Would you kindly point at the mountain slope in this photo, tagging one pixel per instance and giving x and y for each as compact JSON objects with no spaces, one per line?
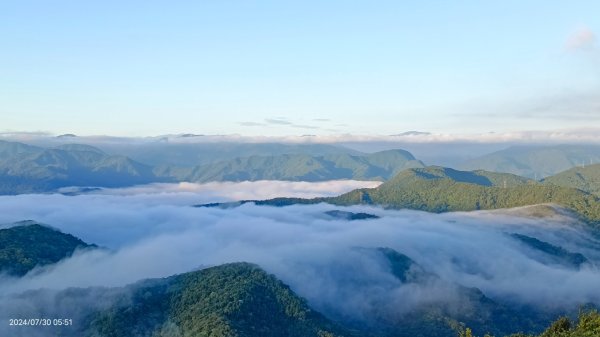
{"x":380,"y":166}
{"x":30,"y":169}
{"x":437,"y":189}
{"x":584,"y":178}
{"x":189,"y":155}
{"x":418,"y":189}
{"x":27,"y":245}
{"x":535,"y":162}
{"x":42,"y":170}
{"x":237,"y":299}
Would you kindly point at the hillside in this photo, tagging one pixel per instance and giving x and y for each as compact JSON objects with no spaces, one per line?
{"x":586,"y":325}
{"x":237,"y":299}
{"x":31,"y":169}
{"x":26,"y":169}
{"x":535,"y":161}
{"x":423,"y":189}
{"x":27,"y":245}
{"x":177,"y":153}
{"x":441,"y":318}
{"x":584,"y":178}
{"x":437,"y":189}
{"x":379,"y":166}
{"x":240,"y":299}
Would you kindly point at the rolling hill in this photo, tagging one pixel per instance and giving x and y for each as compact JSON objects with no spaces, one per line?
{"x":427,"y":190}
{"x":29,"y":244}
{"x":535,"y":161}
{"x":438,"y":189}
{"x":178,"y":153}
{"x":26,"y":169}
{"x":376,"y":166}
{"x":31,"y":169}
{"x":584,"y":178}
{"x":237,"y":299}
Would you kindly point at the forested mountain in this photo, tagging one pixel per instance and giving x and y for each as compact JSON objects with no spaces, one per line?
{"x":30,"y":169}
{"x":237,"y":299}
{"x":193,"y":154}
{"x":437,"y":189}
{"x":29,"y":244}
{"x":27,"y":169}
{"x":535,"y":161}
{"x":378,"y":166}
{"x":584,"y":178}
{"x":586,"y":325}
{"x":425,"y":190}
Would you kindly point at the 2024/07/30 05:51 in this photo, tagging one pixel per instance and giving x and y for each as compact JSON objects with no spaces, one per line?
{"x":40,"y":321}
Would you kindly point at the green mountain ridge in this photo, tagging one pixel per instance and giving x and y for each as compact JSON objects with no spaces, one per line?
{"x":237,"y":299}
{"x":535,"y":161}
{"x":583,"y":178}
{"x":437,"y":189}
{"x":376,"y":166}
{"x":30,"y":169}
{"x":29,"y":244}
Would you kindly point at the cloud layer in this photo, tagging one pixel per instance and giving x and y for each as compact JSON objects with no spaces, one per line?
{"x":156,"y":231}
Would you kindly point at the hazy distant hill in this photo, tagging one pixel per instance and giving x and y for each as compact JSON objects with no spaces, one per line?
{"x":31,"y":169}
{"x":190,"y":155}
{"x":584,"y":178}
{"x":26,"y":169}
{"x":29,"y":244}
{"x":532,"y":162}
{"x":380,"y":166}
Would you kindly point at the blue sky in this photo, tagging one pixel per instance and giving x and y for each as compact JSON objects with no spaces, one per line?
{"x":298,"y":67}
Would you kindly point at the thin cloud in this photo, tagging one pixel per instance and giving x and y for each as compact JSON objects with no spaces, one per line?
{"x":583,"y":39}
{"x":286,"y":122}
{"x":302,"y":126}
{"x":278,"y":121}
{"x":252,"y":124}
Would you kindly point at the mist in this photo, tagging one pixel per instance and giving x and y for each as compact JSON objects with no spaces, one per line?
{"x":151,"y":231}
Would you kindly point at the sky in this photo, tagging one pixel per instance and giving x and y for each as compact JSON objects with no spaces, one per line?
{"x":275,"y":68}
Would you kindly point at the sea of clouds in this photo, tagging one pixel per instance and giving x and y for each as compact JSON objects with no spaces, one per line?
{"x":152,"y":231}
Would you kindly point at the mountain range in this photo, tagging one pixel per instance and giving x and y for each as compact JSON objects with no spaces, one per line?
{"x":34,"y":169}
{"x":535,"y":162}
{"x":439,"y":189}
{"x":31,"y":169}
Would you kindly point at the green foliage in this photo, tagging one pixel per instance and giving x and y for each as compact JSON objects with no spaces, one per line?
{"x":557,"y":254}
{"x":24,"y":247}
{"x":305,"y":167}
{"x":236,"y":299}
{"x":584,"y":178}
{"x":428,"y":190}
{"x":588,"y":325}
{"x":535,"y":161}
{"x":29,"y":169}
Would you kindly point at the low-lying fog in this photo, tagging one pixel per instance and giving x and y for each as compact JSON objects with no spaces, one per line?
{"x":151,"y":231}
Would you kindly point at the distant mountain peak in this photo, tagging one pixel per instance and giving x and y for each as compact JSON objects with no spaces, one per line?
{"x":411,"y":133}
